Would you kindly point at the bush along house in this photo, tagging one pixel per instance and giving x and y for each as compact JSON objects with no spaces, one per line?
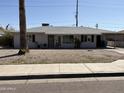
{"x":62,"y":37}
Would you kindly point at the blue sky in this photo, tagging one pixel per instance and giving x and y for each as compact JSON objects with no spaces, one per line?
{"x":109,"y":14}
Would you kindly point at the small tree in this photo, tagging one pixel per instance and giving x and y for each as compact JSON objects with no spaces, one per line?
{"x":6,"y":39}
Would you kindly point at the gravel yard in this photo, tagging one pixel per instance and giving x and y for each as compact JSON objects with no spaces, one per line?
{"x":59,"y":56}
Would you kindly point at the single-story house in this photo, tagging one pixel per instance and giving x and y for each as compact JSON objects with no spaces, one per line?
{"x":115,"y":39}
{"x":62,"y":37}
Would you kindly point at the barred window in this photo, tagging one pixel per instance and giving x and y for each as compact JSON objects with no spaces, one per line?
{"x":82,"y":38}
{"x":68,"y":39}
{"x":92,"y":38}
{"x":31,"y":38}
{"x":85,"y":38}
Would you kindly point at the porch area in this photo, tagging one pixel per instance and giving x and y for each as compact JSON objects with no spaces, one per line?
{"x":72,"y":41}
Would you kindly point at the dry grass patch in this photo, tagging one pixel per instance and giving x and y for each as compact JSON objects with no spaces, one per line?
{"x":61,"y":56}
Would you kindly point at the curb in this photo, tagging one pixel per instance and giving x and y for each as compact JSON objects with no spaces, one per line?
{"x":60,"y":76}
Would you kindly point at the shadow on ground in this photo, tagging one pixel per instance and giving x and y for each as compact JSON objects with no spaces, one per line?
{"x":9,"y":56}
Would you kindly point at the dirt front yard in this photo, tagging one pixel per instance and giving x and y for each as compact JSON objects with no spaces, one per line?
{"x":59,"y":56}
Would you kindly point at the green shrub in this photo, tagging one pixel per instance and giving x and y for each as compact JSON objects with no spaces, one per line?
{"x":6,"y":39}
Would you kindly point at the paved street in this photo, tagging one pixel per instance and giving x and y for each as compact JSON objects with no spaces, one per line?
{"x":65,"y":86}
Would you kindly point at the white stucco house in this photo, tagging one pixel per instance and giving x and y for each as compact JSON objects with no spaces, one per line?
{"x":62,"y":37}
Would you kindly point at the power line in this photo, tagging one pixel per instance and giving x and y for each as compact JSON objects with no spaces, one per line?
{"x":67,"y":5}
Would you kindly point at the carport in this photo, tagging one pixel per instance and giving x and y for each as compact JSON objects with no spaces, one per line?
{"x":114,"y":39}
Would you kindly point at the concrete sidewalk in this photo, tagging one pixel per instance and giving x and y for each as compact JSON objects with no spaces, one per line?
{"x":35,"y":71}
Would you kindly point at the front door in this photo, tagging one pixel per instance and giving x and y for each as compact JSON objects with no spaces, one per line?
{"x":51,"y":41}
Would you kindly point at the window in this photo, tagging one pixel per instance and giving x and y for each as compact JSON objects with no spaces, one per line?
{"x":85,"y":38}
{"x":68,"y":39}
{"x":82,"y":38}
{"x":29,"y":37}
{"x":89,"y":39}
{"x":92,"y":38}
{"x":33,"y":38}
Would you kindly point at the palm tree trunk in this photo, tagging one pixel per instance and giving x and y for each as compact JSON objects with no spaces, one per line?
{"x":22,"y":24}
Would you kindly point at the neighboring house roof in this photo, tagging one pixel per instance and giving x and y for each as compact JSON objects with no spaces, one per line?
{"x":121,"y":31}
{"x":67,"y":30}
{"x":116,"y":33}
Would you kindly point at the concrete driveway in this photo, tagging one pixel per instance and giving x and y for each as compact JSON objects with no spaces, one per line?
{"x":118,"y":50}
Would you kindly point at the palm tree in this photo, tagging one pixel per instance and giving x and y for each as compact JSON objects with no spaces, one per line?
{"x":22,"y":24}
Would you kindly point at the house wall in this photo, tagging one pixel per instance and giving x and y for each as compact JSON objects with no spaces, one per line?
{"x":41,"y":39}
{"x":119,"y":43}
{"x":87,"y":44}
{"x":67,"y":46}
{"x":63,"y":45}
{"x":16,"y":40}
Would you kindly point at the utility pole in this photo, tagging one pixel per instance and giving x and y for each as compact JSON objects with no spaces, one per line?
{"x":22,"y":24}
{"x":77,"y":13}
{"x":97,"y":25}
